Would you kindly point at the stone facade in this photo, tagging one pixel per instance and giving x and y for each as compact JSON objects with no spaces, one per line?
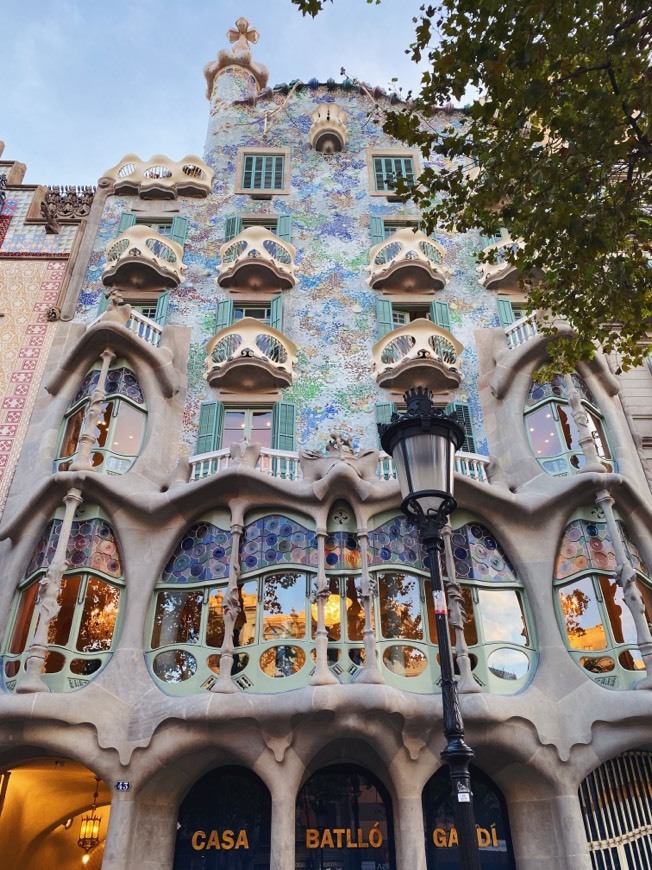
{"x":186,"y":563}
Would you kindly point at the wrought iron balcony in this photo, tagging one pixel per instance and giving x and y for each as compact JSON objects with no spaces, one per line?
{"x":161,"y":177}
{"x":328,"y":133}
{"x":419,"y":352}
{"x":257,"y":260}
{"x":142,"y":259}
{"x":250,"y":356}
{"x":500,"y":274}
{"x":407,"y":261}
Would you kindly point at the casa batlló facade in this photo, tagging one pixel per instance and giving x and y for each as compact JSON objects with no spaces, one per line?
{"x":218,"y":638}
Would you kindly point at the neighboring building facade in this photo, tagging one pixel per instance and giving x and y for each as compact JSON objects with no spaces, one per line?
{"x":210,"y":599}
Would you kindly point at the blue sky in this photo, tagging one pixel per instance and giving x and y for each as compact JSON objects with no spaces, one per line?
{"x":87,"y":81}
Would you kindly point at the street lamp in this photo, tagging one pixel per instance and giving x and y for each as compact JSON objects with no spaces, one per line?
{"x":422,"y":443}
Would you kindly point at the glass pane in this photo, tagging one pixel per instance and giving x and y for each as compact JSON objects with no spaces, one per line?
{"x":85,"y":667}
{"x":244,"y":630}
{"x":127,"y":430}
{"x":354,"y":609}
{"x":400,"y":606}
{"x":598,"y":664}
{"x":582,"y":619}
{"x":175,"y":666}
{"x":508,"y":664}
{"x":54,"y":662}
{"x":284,"y":604}
{"x":177,"y":617}
{"x":542,"y":429}
{"x":261,"y":428}
{"x":102,"y":428}
{"x":23,"y":619}
{"x":59,"y":628}
{"x":632,"y":660}
{"x":406,"y":661}
{"x":72,"y":432}
{"x":569,"y":427}
{"x":234,"y":427}
{"x":620,"y":616}
{"x":215,"y":624}
{"x":502,"y":616}
{"x":282,"y":661}
{"x":99,"y":616}
{"x":332,"y":610}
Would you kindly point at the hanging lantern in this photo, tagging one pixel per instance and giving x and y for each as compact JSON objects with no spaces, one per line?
{"x":89,"y":832}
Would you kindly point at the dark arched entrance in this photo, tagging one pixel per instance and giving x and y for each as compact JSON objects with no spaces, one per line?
{"x":224,"y":823}
{"x":344,"y":821}
{"x":492,"y":823}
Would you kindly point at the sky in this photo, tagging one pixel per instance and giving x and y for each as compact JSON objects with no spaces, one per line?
{"x":87,"y":81}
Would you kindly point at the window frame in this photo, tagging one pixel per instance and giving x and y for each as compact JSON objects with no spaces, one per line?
{"x":262,"y":193}
{"x":391,"y":153}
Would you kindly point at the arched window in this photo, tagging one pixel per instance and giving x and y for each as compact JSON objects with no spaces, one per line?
{"x":553,"y":432}
{"x":81,"y":634}
{"x":120,"y":428}
{"x":497,"y":631}
{"x":595,"y":620}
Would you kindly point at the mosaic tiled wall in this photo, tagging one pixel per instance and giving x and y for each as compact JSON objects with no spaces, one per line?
{"x":331,"y":313}
{"x":22,"y":238}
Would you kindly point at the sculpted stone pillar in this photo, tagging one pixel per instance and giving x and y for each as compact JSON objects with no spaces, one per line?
{"x":627,"y":581}
{"x":224,"y":682}
{"x":581,"y":418}
{"x":283,"y":825}
{"x":93,"y":413}
{"x":48,"y":602}
{"x":323,"y":675}
{"x":141,"y":833}
{"x":548,"y":832}
{"x":369,"y":589}
{"x":457,"y":617}
{"x":408,"y":823}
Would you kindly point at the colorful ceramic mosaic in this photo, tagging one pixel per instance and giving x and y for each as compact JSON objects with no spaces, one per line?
{"x":342,"y":552}
{"x":587,"y":545}
{"x":396,"y":542}
{"x":557,"y":389}
{"x":276,"y":540}
{"x":203,"y":553}
{"x":92,"y":544}
{"x":22,"y":238}
{"x":479,"y":556}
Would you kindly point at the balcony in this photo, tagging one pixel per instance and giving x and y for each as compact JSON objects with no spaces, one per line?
{"x":256,"y":261}
{"x":328,"y":133}
{"x":419,"y":352}
{"x":141,"y":259}
{"x":521,"y":331}
{"x":407,"y":262}
{"x":160,"y":177}
{"x":250,"y":356}
{"x":501,"y":274}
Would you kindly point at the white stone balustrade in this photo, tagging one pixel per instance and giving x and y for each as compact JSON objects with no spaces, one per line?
{"x":407,"y":261}
{"x":328,"y":133}
{"x":144,"y":328}
{"x":159,"y":176}
{"x":142,"y":259}
{"x":498,"y":273}
{"x":419,"y":344}
{"x":256,"y":259}
{"x":249,"y":354}
{"x":522,"y":330}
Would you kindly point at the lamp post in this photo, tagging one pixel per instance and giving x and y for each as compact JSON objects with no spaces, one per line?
{"x":422,"y":443}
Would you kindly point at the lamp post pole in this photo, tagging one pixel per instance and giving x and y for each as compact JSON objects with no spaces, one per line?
{"x":422,"y":442}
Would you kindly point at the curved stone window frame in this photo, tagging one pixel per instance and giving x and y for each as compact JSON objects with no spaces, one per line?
{"x":548,"y":405}
{"x":117,"y":408}
{"x":606,"y":650}
{"x":417,"y":645}
{"x":83,"y":635}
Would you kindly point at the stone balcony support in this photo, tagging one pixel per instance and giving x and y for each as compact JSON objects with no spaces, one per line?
{"x":142,"y":259}
{"x":250,"y":356}
{"x":419,"y":352}
{"x":500,"y":275}
{"x":257,"y":261}
{"x":407,"y":261}
{"x":161,"y":178}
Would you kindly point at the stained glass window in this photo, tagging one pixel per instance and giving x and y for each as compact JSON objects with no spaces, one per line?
{"x":274,"y":541}
{"x":92,"y":544}
{"x":202,"y":554}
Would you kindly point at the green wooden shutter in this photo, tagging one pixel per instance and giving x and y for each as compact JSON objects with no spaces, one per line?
{"x":127,"y":219}
{"x":461,"y":411}
{"x":224,"y":314}
{"x":103,"y":303}
{"x":505,"y":312}
{"x":384,"y":411}
{"x":233,"y":228}
{"x":284,"y":227}
{"x":440,"y":314}
{"x":377,"y":227}
{"x":384,"y":317}
{"x":162,"y":308}
{"x":179,"y":230}
{"x":211,"y":420}
{"x":276,"y":313}
{"x":283,"y":417}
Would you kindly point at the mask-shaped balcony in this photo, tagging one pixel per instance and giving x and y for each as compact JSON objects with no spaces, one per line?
{"x":419,"y":352}
{"x":257,"y":260}
{"x":161,"y":178}
{"x":407,"y":261}
{"x":142,"y":259}
{"x":501,"y":274}
{"x":328,"y":133}
{"x":250,"y":356}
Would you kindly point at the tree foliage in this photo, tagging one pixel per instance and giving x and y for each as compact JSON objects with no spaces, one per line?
{"x":556,"y":150}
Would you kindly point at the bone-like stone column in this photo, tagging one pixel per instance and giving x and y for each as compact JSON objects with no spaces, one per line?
{"x":224,"y":683}
{"x":408,"y":821}
{"x":581,"y":418}
{"x":283,"y":826}
{"x":323,"y":676}
{"x":627,"y":581}
{"x":457,"y":617}
{"x":369,"y":589}
{"x":87,"y":439}
{"x":48,"y":602}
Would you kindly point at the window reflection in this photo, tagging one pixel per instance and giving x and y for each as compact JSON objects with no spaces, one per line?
{"x":584,"y":626}
{"x":502,"y":616}
{"x":400,"y":606}
{"x":98,"y":616}
{"x":284,"y":600}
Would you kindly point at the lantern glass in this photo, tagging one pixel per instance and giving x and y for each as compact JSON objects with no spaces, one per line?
{"x":424,"y":463}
